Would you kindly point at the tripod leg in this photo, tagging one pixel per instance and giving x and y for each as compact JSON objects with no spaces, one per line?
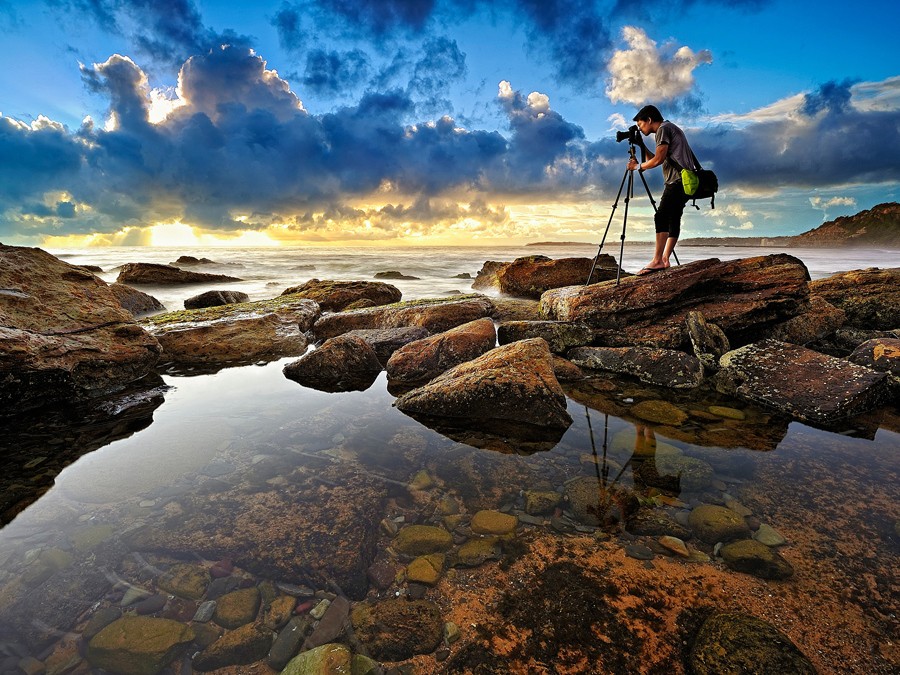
{"x":628,"y":195}
{"x":602,"y":241}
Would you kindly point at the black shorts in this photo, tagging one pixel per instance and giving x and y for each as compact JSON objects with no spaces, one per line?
{"x":671,"y":207}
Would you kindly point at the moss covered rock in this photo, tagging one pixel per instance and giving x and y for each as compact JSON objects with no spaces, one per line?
{"x":185,"y":581}
{"x":422,"y":540}
{"x":138,"y":645}
{"x":753,"y":557}
{"x":237,"y":608}
{"x":333,"y":659}
{"x":398,"y":629}
{"x":493,"y":522}
{"x":713,"y":524}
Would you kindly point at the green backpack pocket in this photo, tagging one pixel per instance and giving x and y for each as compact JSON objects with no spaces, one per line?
{"x":690,"y":181}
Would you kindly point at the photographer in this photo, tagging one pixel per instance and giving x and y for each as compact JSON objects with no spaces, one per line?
{"x":674,"y":154}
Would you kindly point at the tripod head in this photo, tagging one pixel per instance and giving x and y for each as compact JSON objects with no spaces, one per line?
{"x":633,"y":135}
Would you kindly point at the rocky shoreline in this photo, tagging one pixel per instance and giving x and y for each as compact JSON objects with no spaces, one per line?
{"x":491,"y":371}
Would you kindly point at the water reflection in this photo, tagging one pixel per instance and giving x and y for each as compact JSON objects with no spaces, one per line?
{"x":244,"y":471}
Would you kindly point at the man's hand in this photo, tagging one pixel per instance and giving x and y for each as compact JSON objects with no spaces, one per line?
{"x":633,"y":164}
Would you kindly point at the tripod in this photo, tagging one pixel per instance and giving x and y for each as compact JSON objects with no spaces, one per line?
{"x":629,"y":195}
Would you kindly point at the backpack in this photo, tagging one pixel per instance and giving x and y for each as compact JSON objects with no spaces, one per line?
{"x":699,"y":184}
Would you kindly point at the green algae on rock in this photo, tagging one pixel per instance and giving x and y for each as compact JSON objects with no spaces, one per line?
{"x":419,"y":540}
{"x":138,"y":645}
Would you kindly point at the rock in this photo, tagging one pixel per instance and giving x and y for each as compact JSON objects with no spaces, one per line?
{"x":541,"y":501}
{"x":334,"y":296}
{"x":565,"y":370}
{"x":134,"y":301}
{"x":735,"y":643}
{"x":597,"y":505}
{"x":205,"y":611}
{"x":426,"y":569}
{"x":278,"y":612}
{"x":515,"y":309}
{"x":185,"y":581}
{"x":819,"y":321}
{"x":726,"y":412}
{"x":192,"y":260}
{"x":675,"y":545}
{"x":514,"y":383}
{"x":100,"y":620}
{"x":713,"y":524}
{"x":754,"y":557}
{"x":288,"y":642}
{"x":675,"y":473}
{"x":869,"y":298}
{"x":150,"y":605}
{"x":660,"y":412}
{"x":435,"y":316}
{"x":385,"y":341}
{"x":237,"y":608}
{"x":63,"y":334}
{"x":238,"y":333}
{"x":398,"y":629}
{"x":331,"y":625}
{"x":151,"y":273}
{"x":138,"y":644}
{"x":882,"y":355}
{"x":769,"y":536}
{"x":663,"y":367}
{"x":649,"y":522}
{"x":532,"y":275}
{"x":425,"y":359}
{"x":493,"y":522}
{"x":247,"y":644}
{"x":342,"y":363}
{"x":215,"y":299}
{"x":652,"y":310}
{"x":332,"y":658}
{"x":808,"y":385}
{"x":394,"y":274}
{"x":476,"y":552}
{"x":560,"y":335}
{"x":419,"y":540}
{"x":707,"y":340}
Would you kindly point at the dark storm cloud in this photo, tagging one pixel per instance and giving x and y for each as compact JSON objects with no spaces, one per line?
{"x":332,"y":72}
{"x":831,"y":96}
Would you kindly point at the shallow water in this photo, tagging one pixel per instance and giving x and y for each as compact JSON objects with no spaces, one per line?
{"x":293,"y":485}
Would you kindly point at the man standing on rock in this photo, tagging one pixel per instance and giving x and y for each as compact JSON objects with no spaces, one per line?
{"x":674,"y":154}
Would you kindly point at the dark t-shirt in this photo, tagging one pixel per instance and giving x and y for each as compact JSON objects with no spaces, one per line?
{"x":679,"y":150}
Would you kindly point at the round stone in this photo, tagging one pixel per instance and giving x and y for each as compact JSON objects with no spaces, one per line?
{"x":716,"y":523}
{"x":419,"y":540}
{"x":493,"y":522}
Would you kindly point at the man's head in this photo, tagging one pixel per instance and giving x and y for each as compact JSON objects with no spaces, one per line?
{"x":648,"y":119}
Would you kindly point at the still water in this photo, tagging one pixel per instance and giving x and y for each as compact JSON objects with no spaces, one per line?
{"x":261,"y":483}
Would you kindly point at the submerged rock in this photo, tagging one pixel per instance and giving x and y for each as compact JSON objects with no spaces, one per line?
{"x":343,"y":363}
{"x":736,"y":643}
{"x":713,"y":524}
{"x":63,"y":334}
{"x":754,"y":557}
{"x":334,"y":296}
{"x":151,"y":273}
{"x":651,"y":310}
{"x":247,"y":644}
{"x":808,"y":385}
{"x":424,"y":359}
{"x":398,"y":629}
{"x":330,"y":658}
{"x":513,"y":383}
{"x":138,"y":644}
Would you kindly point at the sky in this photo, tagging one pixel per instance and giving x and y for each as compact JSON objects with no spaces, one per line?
{"x":432,"y":122}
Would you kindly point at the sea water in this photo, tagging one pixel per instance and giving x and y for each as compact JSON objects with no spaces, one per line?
{"x":245,"y":467}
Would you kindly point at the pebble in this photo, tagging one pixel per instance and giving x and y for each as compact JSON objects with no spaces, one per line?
{"x":416,"y":591}
{"x":451,"y":632}
{"x":133,"y":595}
{"x":675,"y":545}
{"x":147,"y":503}
{"x":318,"y":611}
{"x":304,"y":606}
{"x":639,"y":552}
{"x":736,"y":506}
{"x":769,"y":536}
{"x":152,"y":604}
{"x":205,"y":611}
{"x":295,"y":590}
{"x":530,"y":520}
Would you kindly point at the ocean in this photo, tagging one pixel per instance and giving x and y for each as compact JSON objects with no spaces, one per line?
{"x":242,"y":479}
{"x":266,"y":272}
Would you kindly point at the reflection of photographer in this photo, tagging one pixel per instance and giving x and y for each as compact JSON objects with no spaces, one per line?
{"x":674,"y":154}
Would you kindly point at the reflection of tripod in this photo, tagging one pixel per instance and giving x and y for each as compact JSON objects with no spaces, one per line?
{"x":629,"y":195}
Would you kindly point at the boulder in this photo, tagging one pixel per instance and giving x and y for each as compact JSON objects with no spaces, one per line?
{"x":134,"y":301}
{"x":237,"y":608}
{"x":385,"y":341}
{"x":818,"y":322}
{"x":753,"y":557}
{"x":237,"y":333}
{"x":247,"y":644}
{"x":420,"y":540}
{"x":560,"y":335}
{"x":138,"y":644}
{"x":514,"y":383}
{"x":435,"y":316}
{"x":869,"y":298}
{"x":707,"y":340}
{"x":736,"y":643}
{"x":713,"y":524}
{"x":215,"y":298}
{"x":599,"y":505}
{"x":331,"y":658}
{"x":192,"y":260}
{"x":515,"y":309}
{"x":397,"y":629}
{"x":810,"y":386}
{"x":151,"y":273}
{"x":881,"y":354}
{"x":343,"y":363}
{"x":63,"y":334}
{"x":663,"y":367}
{"x":530,"y":276}
{"x":394,"y":274}
{"x":333,"y":296}
{"x":424,"y":359}
{"x":744,"y":297}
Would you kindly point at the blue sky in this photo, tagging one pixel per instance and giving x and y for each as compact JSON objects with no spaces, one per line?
{"x":403,"y":122}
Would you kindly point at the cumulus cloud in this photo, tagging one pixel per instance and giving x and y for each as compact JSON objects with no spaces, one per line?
{"x":333,"y":72}
{"x":645,"y":72}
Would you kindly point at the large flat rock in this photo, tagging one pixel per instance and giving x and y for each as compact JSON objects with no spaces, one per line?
{"x":808,"y":385}
{"x":744,"y":297}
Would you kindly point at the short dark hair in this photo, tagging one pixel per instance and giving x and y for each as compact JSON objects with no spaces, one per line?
{"x":649,"y":111}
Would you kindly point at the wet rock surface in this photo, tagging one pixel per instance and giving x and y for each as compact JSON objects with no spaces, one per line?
{"x":343,"y":363}
{"x":334,"y":296}
{"x":530,"y":276}
{"x":560,"y":336}
{"x":215,"y":298}
{"x":135,"y":301}
{"x":151,"y":273}
{"x":869,"y":298}
{"x":666,"y":367}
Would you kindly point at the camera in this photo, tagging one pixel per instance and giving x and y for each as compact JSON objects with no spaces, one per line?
{"x":633,"y":135}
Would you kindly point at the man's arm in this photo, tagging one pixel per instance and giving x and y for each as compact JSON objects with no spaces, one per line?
{"x":662,"y":151}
